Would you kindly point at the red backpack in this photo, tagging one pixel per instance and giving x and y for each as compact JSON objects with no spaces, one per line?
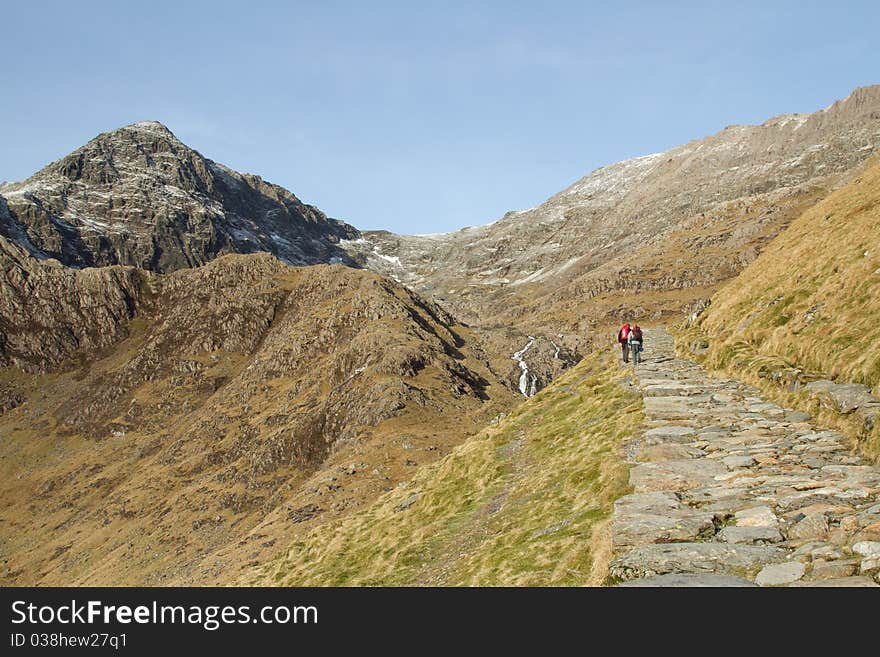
{"x":623,"y":334}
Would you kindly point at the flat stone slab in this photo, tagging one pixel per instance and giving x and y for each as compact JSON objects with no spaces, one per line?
{"x":761,"y":407}
{"x":814,"y":525}
{"x":721,"y":497}
{"x":721,"y":558}
{"x":750,"y":535}
{"x":738,"y":461}
{"x":657,"y":517}
{"x":666,"y":400}
{"x":684,"y":580}
{"x":867,"y":548}
{"x":857,"y":581}
{"x":745,"y":438}
{"x":865,"y":475}
{"x":828,"y":494}
{"x":870,"y":566}
{"x":669,"y":434}
{"x":669,"y":452}
{"x":758,"y":516}
{"x":822,"y":569}
{"x":870,"y":532}
{"x":669,"y":388}
{"x":777,"y":574}
{"x":670,"y":408}
{"x":674,"y":475}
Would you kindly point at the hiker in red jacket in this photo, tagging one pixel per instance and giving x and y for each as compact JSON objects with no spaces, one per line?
{"x":623,"y":339}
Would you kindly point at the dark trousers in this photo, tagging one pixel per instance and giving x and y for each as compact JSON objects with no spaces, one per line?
{"x":636,"y":347}
{"x":625,"y":347}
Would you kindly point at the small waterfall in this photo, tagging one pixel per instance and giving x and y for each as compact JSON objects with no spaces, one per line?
{"x":528,"y":382}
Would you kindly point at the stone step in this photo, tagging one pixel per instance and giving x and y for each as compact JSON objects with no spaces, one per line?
{"x":717,"y":558}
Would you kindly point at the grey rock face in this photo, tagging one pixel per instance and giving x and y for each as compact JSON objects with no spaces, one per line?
{"x":139,"y":196}
{"x":49,"y":312}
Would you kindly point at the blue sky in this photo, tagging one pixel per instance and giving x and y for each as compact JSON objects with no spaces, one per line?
{"x":419,"y":116}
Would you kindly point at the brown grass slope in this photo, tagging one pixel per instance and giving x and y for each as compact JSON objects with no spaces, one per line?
{"x":227,"y":407}
{"x":524,"y":503}
{"x":809,"y":306}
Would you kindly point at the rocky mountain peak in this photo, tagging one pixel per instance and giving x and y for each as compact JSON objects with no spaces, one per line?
{"x":144,"y":130}
{"x":152,"y":126}
{"x":139,"y":196}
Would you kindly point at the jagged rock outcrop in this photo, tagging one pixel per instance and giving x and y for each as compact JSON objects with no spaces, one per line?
{"x":49,"y":312}
{"x":139,"y":196}
{"x":848,"y":398}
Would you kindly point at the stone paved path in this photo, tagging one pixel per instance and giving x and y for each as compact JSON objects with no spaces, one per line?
{"x":733,"y":490}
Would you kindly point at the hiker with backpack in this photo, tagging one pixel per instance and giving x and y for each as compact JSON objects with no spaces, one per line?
{"x":623,"y":340}
{"x":635,"y":340}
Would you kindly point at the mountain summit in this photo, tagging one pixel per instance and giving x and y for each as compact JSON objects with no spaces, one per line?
{"x":139,"y":196}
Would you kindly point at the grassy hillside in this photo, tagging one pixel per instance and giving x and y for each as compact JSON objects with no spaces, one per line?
{"x":525,"y":502}
{"x":809,"y":306}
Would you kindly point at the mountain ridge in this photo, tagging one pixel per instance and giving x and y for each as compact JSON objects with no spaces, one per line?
{"x":580,"y":239}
